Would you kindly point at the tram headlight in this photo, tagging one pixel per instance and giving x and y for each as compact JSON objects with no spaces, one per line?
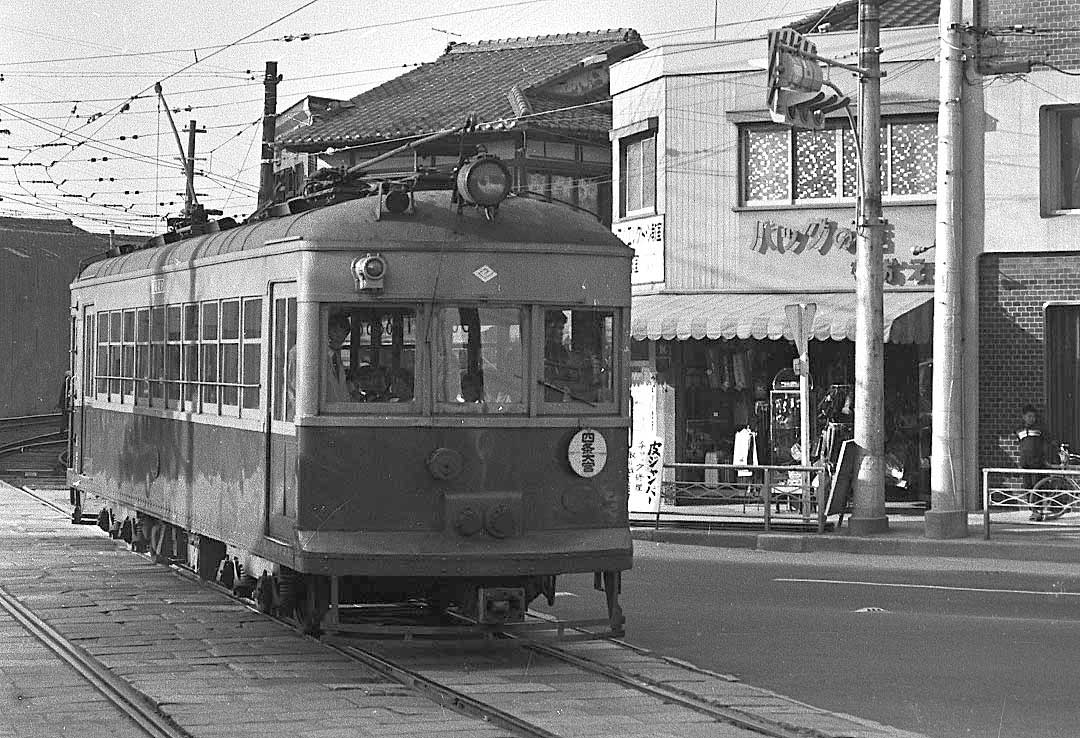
{"x":484,"y":181}
{"x":369,"y":271}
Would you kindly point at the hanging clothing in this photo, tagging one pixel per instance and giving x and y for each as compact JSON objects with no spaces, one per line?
{"x":745,"y":452}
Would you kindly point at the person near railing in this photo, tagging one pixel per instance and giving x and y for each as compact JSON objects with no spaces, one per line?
{"x":1032,"y":442}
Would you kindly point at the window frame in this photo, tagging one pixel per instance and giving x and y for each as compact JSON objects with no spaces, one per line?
{"x":1051,"y":159}
{"x":421,"y":364}
{"x":520,"y":407}
{"x":625,"y":143}
{"x":545,"y":407}
{"x":838,"y":127}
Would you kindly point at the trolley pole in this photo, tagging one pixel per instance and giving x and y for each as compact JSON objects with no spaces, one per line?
{"x":868,"y":515}
{"x":947,"y":517}
{"x":269,"y":134}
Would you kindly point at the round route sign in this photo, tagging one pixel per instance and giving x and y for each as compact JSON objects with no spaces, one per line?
{"x":587,"y":452}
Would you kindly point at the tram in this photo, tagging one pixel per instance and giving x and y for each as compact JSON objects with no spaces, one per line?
{"x":413,"y":394}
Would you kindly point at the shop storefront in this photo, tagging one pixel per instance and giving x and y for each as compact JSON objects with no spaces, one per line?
{"x":722,"y":385}
{"x":711,"y":363}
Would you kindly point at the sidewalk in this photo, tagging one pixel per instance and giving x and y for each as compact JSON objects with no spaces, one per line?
{"x":1012,"y":537}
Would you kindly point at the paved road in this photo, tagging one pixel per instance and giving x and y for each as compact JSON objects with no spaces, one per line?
{"x":940,"y":649}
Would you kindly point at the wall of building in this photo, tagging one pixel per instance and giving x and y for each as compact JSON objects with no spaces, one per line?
{"x":1051,"y":31}
{"x":1013,"y":291}
{"x":1013,"y":163}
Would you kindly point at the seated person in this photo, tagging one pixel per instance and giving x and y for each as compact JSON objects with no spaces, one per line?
{"x":472,"y":386}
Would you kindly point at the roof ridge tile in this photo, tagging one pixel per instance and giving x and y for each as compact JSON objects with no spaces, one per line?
{"x":554,"y":39}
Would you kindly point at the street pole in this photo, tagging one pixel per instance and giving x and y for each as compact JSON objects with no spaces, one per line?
{"x":868,"y":515}
{"x":269,"y":135}
{"x":947,"y":517}
{"x":189,"y":170}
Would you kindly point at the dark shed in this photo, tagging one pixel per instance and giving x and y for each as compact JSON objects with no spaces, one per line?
{"x":38,"y":260}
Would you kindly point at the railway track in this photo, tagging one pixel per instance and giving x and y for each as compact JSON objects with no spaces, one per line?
{"x":520,"y":686}
{"x":129,"y":701}
{"x":522,"y":661}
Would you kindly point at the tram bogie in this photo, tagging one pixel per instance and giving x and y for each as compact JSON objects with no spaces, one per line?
{"x":449,"y":422}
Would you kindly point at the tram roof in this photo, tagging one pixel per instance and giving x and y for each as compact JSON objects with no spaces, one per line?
{"x":520,"y":220}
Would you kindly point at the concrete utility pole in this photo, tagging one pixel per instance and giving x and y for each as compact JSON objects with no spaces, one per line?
{"x":868,"y":515}
{"x":947,"y":517}
{"x":269,"y":134}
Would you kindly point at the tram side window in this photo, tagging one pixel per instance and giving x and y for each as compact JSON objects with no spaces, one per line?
{"x":251,"y":342}
{"x":190,"y":356}
{"x":127,"y":357}
{"x":115,"y":348}
{"x":230,"y":351}
{"x":172,"y":354}
{"x":208,"y":350}
{"x":88,"y":353}
{"x":142,"y":356}
{"x":579,"y":356}
{"x":157,"y":356}
{"x":284,"y":359}
{"x":370,"y":356}
{"x":478,"y":357}
{"x":101,"y":360}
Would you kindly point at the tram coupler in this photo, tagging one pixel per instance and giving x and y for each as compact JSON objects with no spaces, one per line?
{"x":499,"y":605}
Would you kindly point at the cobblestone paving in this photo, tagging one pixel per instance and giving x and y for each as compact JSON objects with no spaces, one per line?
{"x":220,"y":669}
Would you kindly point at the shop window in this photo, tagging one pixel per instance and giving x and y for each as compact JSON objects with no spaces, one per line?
{"x":784,"y":166}
{"x":637,"y":174}
{"x":1060,"y":159}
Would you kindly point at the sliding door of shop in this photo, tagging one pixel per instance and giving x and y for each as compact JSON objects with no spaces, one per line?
{"x":1063,"y":374}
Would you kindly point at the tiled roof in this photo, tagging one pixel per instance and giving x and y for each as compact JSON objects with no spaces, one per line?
{"x":844,"y":16}
{"x":474,"y":79}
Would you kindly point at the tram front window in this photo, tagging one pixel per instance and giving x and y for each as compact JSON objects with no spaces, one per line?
{"x":579,"y":356}
{"x":478,"y":357}
{"x":370,"y":355}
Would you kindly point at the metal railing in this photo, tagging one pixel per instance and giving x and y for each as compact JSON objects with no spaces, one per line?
{"x":1003,"y":487}
{"x":771,"y":494}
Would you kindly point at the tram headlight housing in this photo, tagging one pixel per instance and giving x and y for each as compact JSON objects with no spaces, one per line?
{"x":484,"y":181}
{"x":369,"y":272}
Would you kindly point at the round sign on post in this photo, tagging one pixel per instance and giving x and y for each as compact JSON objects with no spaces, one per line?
{"x":587,"y":452}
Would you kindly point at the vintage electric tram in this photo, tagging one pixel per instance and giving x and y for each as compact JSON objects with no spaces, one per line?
{"x":413,"y":394}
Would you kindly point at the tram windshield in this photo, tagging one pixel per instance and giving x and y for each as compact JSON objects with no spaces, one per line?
{"x":370,"y":355}
{"x":478,"y":357}
{"x":579,"y":356}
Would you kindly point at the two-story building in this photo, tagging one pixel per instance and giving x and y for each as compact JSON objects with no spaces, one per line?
{"x":1024,"y":208}
{"x":542,"y":103}
{"x":734,"y":217}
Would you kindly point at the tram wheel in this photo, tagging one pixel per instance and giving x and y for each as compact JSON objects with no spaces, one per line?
{"x":312,"y":604}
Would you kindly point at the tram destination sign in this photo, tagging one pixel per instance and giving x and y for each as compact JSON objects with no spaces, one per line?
{"x":587,"y":452}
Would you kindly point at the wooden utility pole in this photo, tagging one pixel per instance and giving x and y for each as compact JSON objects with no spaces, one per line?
{"x":269,"y":135}
{"x":868,"y":514}
{"x":947,"y":517}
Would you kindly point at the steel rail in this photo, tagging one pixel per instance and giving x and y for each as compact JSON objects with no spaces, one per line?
{"x":439,"y":693}
{"x":133,"y":703}
{"x":674,"y":695}
{"x":45,"y":500}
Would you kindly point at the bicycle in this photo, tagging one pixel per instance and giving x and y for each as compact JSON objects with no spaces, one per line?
{"x":1055,"y":494}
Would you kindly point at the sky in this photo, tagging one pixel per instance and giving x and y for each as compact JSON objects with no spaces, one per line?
{"x":84,"y":136}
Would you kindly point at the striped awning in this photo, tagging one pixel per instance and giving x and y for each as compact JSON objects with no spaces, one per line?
{"x":908,"y":316}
